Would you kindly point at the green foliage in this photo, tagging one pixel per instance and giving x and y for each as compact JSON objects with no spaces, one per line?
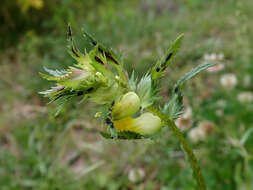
{"x":174,"y":108}
{"x":191,"y":74}
{"x":162,"y":64}
{"x":21,"y":17}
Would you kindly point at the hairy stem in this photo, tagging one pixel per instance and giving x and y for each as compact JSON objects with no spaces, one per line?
{"x":187,"y":148}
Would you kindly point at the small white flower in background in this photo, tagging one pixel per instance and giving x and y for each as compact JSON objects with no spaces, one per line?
{"x":246,"y":80}
{"x":196,"y":134}
{"x":210,"y":57}
{"x":228,"y":81}
{"x":221,"y":103}
{"x":136,"y":175}
{"x":187,"y":113}
{"x":214,"y":58}
{"x":216,"y":68}
{"x":184,"y":122}
{"x":219,"y":112}
{"x":201,"y":132}
{"x":245,"y":97}
{"x":208,"y":127}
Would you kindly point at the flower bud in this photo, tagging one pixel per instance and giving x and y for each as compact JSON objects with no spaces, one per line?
{"x":77,"y":74}
{"x":136,"y":175}
{"x":74,"y":78}
{"x":127,"y":106}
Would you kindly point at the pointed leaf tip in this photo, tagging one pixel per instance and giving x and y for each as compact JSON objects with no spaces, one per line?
{"x":192,"y":73}
{"x":69,"y":32}
{"x":160,"y":67}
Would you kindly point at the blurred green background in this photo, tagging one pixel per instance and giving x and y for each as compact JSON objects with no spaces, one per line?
{"x":40,"y":152}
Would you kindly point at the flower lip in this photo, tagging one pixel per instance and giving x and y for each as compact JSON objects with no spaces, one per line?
{"x":146,"y":124}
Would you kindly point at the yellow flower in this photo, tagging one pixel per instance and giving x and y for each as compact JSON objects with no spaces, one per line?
{"x":128,"y":105}
{"x":146,"y":124}
{"x":124,"y":124}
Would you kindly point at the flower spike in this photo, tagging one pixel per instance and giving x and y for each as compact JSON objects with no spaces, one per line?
{"x":100,"y":77}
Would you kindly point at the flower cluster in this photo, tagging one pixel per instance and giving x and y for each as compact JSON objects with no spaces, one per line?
{"x":228,"y":81}
{"x":99,"y":76}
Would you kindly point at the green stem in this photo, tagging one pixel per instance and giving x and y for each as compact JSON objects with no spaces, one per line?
{"x":187,"y":148}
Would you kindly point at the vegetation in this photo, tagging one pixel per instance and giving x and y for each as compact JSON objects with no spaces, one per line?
{"x":40,"y":151}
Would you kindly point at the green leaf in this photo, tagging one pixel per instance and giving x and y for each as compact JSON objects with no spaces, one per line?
{"x":191,"y":74}
{"x":105,"y":135}
{"x":174,"y":108}
{"x":246,"y":135}
{"x":113,"y":132}
{"x":160,"y":67}
{"x":61,"y":103}
{"x":54,"y":92}
{"x":109,"y":53}
{"x":72,"y":49}
{"x":55,"y":73}
{"x":98,"y":65}
{"x":51,"y":78}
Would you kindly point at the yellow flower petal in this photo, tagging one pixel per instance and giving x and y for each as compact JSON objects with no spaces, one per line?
{"x":124,"y":124}
{"x":145,"y":124}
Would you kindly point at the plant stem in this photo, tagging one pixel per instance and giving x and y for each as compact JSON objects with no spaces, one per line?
{"x":187,"y":148}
